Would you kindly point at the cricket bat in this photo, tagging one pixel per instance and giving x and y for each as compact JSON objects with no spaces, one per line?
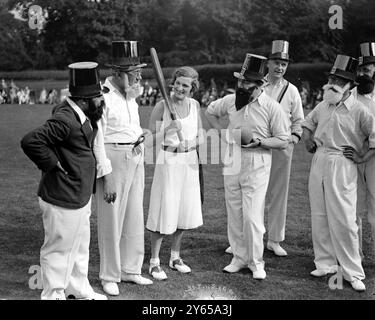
{"x":163,"y":87}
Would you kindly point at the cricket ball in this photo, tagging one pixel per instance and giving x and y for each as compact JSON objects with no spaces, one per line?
{"x":246,"y":136}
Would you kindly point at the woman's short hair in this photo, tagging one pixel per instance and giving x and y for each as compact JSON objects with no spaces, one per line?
{"x":190,"y":73}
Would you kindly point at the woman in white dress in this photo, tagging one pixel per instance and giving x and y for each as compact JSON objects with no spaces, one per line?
{"x":175,"y":201}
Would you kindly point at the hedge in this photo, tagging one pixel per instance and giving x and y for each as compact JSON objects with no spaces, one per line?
{"x":314,"y":73}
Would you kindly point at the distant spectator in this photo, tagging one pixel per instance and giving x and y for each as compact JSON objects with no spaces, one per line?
{"x":43,"y":96}
{"x":27,"y":95}
{"x":205,"y":98}
{"x":13,"y":85}
{"x":52,"y":97}
{"x":4,"y":85}
{"x":4,"y":96}
{"x":13,"y":95}
{"x":304,"y":96}
{"x":32,"y":97}
{"x":21,"y":96}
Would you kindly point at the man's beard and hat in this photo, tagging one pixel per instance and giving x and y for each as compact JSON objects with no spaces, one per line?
{"x":125,"y":58}
{"x":84,"y":85}
{"x":253,"y":69}
{"x":344,"y":68}
{"x":366,"y":84}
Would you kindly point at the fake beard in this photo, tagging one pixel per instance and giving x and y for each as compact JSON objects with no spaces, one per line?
{"x":133,"y":91}
{"x":93,"y":112}
{"x":365,"y":84}
{"x":243,"y":97}
{"x":332,"y":93}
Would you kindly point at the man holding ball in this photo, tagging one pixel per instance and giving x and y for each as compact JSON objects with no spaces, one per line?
{"x":263,"y":126}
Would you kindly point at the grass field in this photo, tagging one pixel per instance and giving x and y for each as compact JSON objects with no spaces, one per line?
{"x":21,"y":233}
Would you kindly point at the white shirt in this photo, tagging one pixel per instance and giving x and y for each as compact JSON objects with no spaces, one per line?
{"x":120,"y":119}
{"x":291,"y":103}
{"x":349,"y":123}
{"x":119,"y":124}
{"x":367,"y":100}
{"x":264,"y":116}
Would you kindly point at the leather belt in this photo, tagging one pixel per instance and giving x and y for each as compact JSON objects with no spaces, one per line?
{"x":122,"y":143}
{"x":175,"y":149}
{"x":135,"y":144}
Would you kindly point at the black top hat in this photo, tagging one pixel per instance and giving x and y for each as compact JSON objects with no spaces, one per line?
{"x":253,"y":68}
{"x":84,"y":80}
{"x":280,"y":50}
{"x":345,"y":67}
{"x":125,"y":56}
{"x":367,"y":54}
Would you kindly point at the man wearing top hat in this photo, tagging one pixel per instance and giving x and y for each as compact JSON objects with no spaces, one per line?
{"x":335,"y":131}
{"x":262,"y":126}
{"x":288,"y":96}
{"x":119,"y":197}
{"x":62,"y":149}
{"x":365,"y":93}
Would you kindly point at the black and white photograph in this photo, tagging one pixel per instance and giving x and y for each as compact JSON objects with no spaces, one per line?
{"x":187,"y":150}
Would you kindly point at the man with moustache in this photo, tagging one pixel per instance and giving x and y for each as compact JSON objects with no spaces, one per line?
{"x":364,"y":92}
{"x":263,"y":126}
{"x":335,"y":131}
{"x":62,"y":150}
{"x":119,"y":198}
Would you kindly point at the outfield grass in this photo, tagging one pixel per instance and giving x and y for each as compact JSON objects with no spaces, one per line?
{"x":21,"y":232}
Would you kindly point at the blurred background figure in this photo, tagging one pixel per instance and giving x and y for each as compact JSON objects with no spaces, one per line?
{"x":305,"y":94}
{"x":43,"y":96}
{"x":52,"y":96}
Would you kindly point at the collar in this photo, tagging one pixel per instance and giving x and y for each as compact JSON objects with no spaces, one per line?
{"x":112,"y":88}
{"x":277,"y":84}
{"x":78,"y":110}
{"x":108,"y":83}
{"x":261,"y":98}
{"x":349,"y":102}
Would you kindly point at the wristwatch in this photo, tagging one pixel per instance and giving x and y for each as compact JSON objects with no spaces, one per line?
{"x":259,"y":142}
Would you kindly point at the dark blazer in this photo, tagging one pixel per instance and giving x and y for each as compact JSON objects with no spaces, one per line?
{"x":63,"y":138}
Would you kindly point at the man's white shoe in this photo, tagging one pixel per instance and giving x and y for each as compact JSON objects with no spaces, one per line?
{"x":321,"y":273}
{"x":157,"y":273}
{"x":179,"y":265}
{"x":259,"y":274}
{"x":234,"y":267}
{"x":229,"y":250}
{"x":135,"y":278}
{"x":358,"y":285}
{"x":110,"y":288}
{"x":276,"y":248}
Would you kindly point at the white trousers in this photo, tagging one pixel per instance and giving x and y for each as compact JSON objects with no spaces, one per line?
{"x":245,"y":194}
{"x":333,"y":197}
{"x":277,"y":193}
{"x":366,"y":198}
{"x":121,"y":225}
{"x":64,"y":256}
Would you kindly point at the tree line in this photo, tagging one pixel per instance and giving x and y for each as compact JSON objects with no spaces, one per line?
{"x":183,"y":31}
